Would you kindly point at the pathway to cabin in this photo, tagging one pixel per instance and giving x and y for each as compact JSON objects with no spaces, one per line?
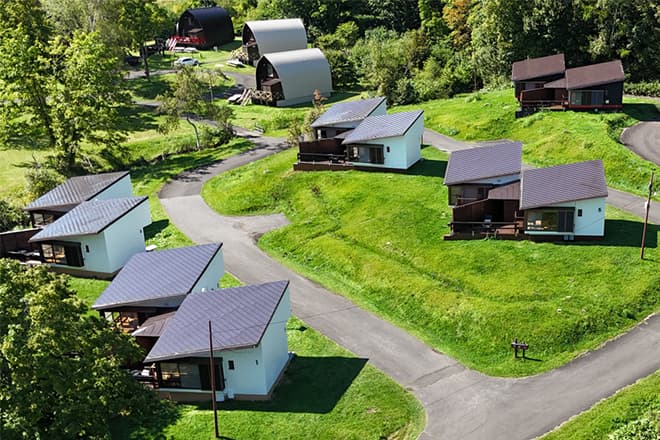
{"x":459,"y":402}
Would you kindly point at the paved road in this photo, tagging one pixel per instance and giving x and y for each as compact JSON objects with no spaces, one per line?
{"x":460,"y":403}
{"x":644,"y":140}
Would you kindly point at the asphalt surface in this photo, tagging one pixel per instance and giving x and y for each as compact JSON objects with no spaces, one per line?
{"x":644,"y":140}
{"x":460,"y":403}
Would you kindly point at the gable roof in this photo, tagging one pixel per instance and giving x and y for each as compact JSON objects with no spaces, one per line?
{"x":239,"y":317}
{"x":88,"y":218}
{"x":348,"y":112}
{"x":155,"y":326}
{"x":383,"y":126}
{"x":594,"y":75}
{"x":149,"y":276}
{"x":505,"y":192}
{"x":538,"y":67}
{"x":562,"y":183}
{"x":76,"y":190}
{"x":277,"y":35}
{"x":484,"y":162}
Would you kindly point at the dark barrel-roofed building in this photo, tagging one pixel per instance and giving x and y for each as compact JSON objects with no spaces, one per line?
{"x":206,"y":27}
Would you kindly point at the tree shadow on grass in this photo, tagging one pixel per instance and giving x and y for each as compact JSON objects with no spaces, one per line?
{"x":310,"y":385}
{"x":624,"y":233}
{"x":155,"y":228}
{"x":429,"y":167}
{"x":642,"y":112}
{"x":148,"y":88}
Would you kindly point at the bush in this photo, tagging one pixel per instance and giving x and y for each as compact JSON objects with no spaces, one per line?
{"x":11,"y":216}
{"x":215,"y":136}
{"x":643,"y":88}
{"x":640,"y":429}
{"x":41,"y":179}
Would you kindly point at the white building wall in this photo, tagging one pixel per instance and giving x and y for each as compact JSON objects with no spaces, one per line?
{"x":248,"y":375}
{"x":592,"y":221}
{"x":413,"y":142}
{"x":121,"y":188}
{"x":125,"y":237}
{"x":211,"y":276}
{"x":274,"y":344}
{"x":94,"y":252}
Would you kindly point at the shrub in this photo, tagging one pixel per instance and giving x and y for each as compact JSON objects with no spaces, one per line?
{"x":11,"y":216}
{"x":41,"y":179}
{"x":643,"y":88}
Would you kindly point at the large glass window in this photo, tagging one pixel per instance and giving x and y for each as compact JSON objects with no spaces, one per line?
{"x":587,"y":97}
{"x":550,"y":220}
{"x":68,"y":254}
{"x":41,"y":219}
{"x":366,"y":154}
{"x":193,"y":374}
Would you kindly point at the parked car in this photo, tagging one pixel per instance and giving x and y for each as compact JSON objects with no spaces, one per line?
{"x":186,"y":61}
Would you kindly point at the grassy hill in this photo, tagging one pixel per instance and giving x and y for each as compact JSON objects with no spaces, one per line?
{"x":549,"y":138}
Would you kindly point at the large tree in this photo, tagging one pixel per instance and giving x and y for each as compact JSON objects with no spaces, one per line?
{"x":60,"y":374}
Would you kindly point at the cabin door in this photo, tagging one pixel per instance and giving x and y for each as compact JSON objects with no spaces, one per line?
{"x":205,"y":375}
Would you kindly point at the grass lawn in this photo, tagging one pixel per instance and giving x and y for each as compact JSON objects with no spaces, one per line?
{"x":549,"y":138}
{"x":377,"y":239}
{"x":621,"y":411}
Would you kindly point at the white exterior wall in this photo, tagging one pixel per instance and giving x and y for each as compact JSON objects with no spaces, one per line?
{"x":121,"y":188}
{"x":413,"y":142}
{"x":274,"y":344}
{"x":211,"y":276}
{"x":125,"y":237}
{"x":592,"y":222}
{"x":96,"y":260}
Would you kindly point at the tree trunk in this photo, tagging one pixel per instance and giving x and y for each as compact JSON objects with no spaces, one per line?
{"x":145,"y":58}
{"x":199,"y":146}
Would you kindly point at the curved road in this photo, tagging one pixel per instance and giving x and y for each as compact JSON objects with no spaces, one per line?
{"x":460,"y":403}
{"x":644,"y":140}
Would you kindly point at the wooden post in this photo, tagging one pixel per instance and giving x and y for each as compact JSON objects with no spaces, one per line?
{"x":215,"y":405}
{"x":646,"y":218}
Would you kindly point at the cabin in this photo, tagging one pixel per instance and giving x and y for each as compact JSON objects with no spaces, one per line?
{"x":96,"y":238}
{"x":155,"y":283}
{"x":249,"y":344}
{"x":345,"y":116}
{"x":534,"y":73}
{"x":289,"y":78}
{"x":204,"y":28}
{"x":270,"y":36}
{"x":66,"y":196}
{"x":564,"y":202}
{"x":473,"y":172}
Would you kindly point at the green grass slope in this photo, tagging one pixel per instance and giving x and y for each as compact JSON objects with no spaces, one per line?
{"x":549,"y":138}
{"x":377,"y":239}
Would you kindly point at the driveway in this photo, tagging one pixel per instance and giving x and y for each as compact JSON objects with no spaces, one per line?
{"x":460,"y":403}
{"x":644,"y":140}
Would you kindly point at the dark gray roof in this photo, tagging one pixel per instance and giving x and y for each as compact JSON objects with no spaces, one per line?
{"x":484,"y":162}
{"x":88,"y":218}
{"x":348,"y":112}
{"x":239,"y":317}
{"x":150,"y":276}
{"x":76,"y":190}
{"x":537,"y":67}
{"x":383,"y":126}
{"x":563,"y":183}
{"x":154,"y":326}
{"x":594,"y":75}
{"x":505,"y":192}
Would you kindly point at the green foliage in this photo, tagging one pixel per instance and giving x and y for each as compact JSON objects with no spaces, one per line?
{"x":365,"y":235}
{"x":651,"y":88}
{"x":11,"y":216}
{"x":61,"y":375}
{"x":40,"y":179}
{"x":632,"y":413}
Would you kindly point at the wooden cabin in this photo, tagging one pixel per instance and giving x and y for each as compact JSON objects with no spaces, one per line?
{"x":204,"y":28}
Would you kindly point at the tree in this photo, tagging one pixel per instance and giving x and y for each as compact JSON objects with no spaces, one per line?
{"x":11,"y":216}
{"x":60,"y":374}
{"x":186,"y":100}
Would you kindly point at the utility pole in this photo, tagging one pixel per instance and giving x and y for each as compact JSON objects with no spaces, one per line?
{"x":646,"y":218}
{"x":212,"y":365}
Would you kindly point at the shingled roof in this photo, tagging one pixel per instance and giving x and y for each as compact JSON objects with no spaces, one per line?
{"x":239,"y":316}
{"x":383,"y":126}
{"x":348,"y":112}
{"x":149,"y":276}
{"x":594,"y":75}
{"x":484,"y":162}
{"x":562,"y":183}
{"x":75,"y":191}
{"x":538,"y":67}
{"x":88,"y":218}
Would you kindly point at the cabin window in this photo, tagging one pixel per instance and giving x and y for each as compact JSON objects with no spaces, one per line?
{"x":180,"y":375}
{"x":460,"y":195}
{"x":230,"y":365}
{"x":366,"y":153}
{"x":388,"y":149}
{"x":579,"y":212}
{"x":587,"y":97}
{"x":68,"y":254}
{"x":550,"y":220}
{"x":41,"y":219}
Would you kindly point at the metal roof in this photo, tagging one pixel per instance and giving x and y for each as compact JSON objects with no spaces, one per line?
{"x":277,"y":35}
{"x":562,"y":183}
{"x":88,"y":218}
{"x":383,"y":126}
{"x":215,"y":22}
{"x":484,"y":162}
{"x":557,"y":84}
{"x":76,"y":190}
{"x":538,"y":67}
{"x":300,"y":71}
{"x":239,"y":317}
{"x":505,"y":192}
{"x":348,"y":112}
{"x":154,"y":326}
{"x":149,"y":276}
{"x":594,"y":75}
